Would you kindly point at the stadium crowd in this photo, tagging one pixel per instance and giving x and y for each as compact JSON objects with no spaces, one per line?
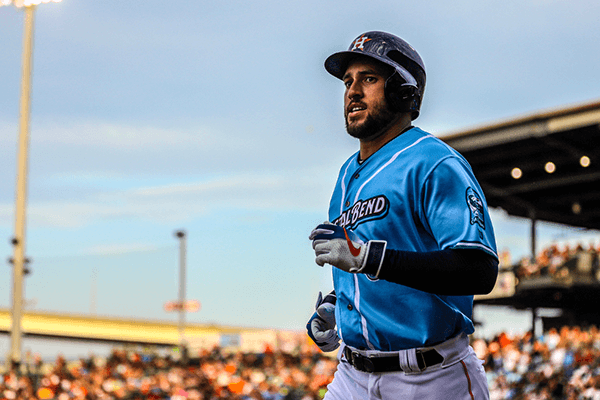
{"x":557,"y":261}
{"x":559,"y":364}
{"x":215,"y":374}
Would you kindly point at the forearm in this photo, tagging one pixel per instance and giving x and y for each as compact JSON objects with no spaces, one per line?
{"x":443,"y":272}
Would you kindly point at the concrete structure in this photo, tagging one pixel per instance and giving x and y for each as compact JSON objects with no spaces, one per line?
{"x":145,"y":332}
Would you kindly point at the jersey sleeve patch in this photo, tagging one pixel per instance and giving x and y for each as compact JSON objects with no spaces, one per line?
{"x":475,"y":205}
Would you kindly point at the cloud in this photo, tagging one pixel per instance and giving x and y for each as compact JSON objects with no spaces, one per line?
{"x":113,"y":249}
{"x":101,"y":148}
{"x":85,"y":171}
{"x":122,"y":136}
{"x":304,"y":190}
{"x":119,"y":136}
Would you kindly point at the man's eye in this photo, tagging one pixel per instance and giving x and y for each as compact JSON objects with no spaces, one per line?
{"x":347,"y":84}
{"x":370,"y":79}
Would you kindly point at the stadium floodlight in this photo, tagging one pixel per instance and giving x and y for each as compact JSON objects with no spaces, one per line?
{"x":26,"y":3}
{"x":18,"y":241}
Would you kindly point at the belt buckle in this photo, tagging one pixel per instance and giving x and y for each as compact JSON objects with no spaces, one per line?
{"x":361,"y":362}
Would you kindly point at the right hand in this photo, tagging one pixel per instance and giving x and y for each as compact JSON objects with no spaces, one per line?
{"x":321,"y":326}
{"x":342,"y":248}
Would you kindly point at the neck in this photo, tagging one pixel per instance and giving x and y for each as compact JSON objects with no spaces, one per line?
{"x":395,"y":129}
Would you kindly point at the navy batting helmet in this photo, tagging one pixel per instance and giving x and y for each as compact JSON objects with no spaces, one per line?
{"x":405,"y":87}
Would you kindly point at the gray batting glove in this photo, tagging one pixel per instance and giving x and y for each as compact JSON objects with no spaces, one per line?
{"x":343,"y":249}
{"x":321,"y":326}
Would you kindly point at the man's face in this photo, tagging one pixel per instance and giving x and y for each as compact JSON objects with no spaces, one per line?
{"x":365,"y":109}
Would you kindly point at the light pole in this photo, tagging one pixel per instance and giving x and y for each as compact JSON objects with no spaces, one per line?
{"x":18,"y":240}
{"x":181,"y":300}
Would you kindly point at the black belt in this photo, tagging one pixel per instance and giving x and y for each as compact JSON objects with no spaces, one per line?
{"x":425,"y":358}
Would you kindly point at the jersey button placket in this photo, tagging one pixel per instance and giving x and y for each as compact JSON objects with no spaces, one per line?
{"x":350,"y":308}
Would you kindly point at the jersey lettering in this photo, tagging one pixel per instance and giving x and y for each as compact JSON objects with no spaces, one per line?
{"x":374,"y":208}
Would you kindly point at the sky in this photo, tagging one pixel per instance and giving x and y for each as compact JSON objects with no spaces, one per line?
{"x":218,"y":118}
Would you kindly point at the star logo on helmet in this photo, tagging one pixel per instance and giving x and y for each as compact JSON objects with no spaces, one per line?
{"x":359,"y":42}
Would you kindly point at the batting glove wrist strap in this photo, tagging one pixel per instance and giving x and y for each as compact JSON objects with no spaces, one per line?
{"x":374,"y":257}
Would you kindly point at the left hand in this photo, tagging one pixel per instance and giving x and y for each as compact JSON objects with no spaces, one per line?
{"x":343,"y":249}
{"x":321,"y":326}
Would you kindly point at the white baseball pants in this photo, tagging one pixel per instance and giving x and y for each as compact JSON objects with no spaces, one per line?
{"x":459,"y":377}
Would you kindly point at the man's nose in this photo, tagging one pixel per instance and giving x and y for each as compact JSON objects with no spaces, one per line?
{"x":354,"y":91}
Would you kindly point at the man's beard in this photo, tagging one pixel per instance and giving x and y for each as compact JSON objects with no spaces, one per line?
{"x":374,"y":124}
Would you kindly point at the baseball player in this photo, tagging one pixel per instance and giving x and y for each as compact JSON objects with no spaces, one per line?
{"x":409,"y":237}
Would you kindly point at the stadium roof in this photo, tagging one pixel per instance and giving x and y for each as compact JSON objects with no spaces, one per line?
{"x":511,"y":161}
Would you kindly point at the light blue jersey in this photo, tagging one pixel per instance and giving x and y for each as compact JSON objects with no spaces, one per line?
{"x":421,"y":195}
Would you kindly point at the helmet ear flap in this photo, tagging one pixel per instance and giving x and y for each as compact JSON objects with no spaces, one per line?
{"x":402,"y":97}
